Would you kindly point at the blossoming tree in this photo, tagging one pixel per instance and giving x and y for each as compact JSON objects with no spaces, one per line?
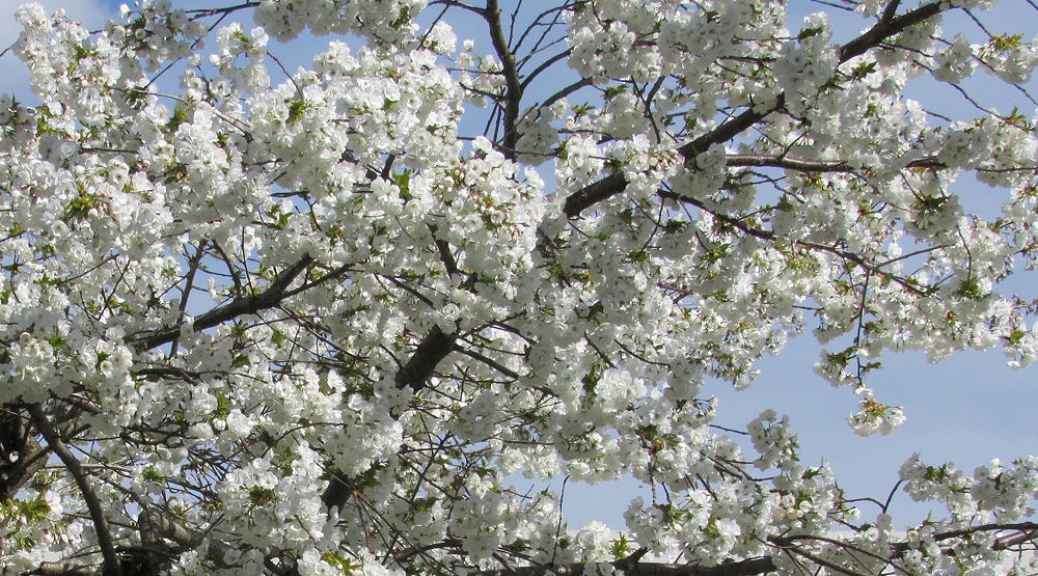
{"x":317,"y":322}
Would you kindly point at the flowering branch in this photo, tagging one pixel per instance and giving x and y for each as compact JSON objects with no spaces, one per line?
{"x":297,"y":460}
{"x":97,"y":512}
{"x":616,"y":183}
{"x":749,"y":567}
{"x":801,"y":165}
{"x":240,"y":306}
{"x":885,"y":28}
{"x":889,"y":25}
{"x":770,"y":236}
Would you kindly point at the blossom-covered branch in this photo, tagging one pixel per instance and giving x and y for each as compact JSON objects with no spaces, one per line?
{"x":331,"y":305}
{"x":886,"y":28}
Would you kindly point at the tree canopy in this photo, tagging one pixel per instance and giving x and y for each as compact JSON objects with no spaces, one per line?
{"x":257,"y":320}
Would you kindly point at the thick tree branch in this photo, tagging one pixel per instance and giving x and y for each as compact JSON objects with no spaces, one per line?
{"x":155,"y":522}
{"x":97,"y":514}
{"x":155,"y":526}
{"x":444,"y":249}
{"x":338,"y":490}
{"x":64,"y":569}
{"x":1027,"y":533}
{"x":21,"y":456}
{"x":616,"y":183}
{"x":13,"y":476}
{"x":513,"y":85}
{"x":269,"y":298}
{"x":889,"y":25}
{"x":151,"y":558}
{"x":431,"y":350}
{"x":414,"y":374}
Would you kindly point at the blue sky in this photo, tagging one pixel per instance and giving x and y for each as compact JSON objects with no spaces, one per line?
{"x":968,"y":409}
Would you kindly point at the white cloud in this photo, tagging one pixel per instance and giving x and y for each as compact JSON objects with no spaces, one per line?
{"x":14,"y":78}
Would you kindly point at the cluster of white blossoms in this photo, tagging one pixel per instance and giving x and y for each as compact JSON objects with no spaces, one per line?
{"x":320,"y":321}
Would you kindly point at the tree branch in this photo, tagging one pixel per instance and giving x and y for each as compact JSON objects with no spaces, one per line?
{"x":21,"y":456}
{"x":269,"y":298}
{"x":154,"y":526}
{"x":414,"y":374}
{"x":749,"y":567}
{"x":885,"y":28}
{"x":800,"y":165}
{"x":513,"y":86}
{"x":64,"y":569}
{"x":194,"y":263}
{"x":444,"y":249}
{"x":97,"y":514}
{"x":888,"y":26}
{"x":770,"y":236}
{"x":431,"y":350}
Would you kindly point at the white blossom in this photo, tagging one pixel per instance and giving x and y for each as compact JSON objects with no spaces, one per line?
{"x":322,"y":318}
